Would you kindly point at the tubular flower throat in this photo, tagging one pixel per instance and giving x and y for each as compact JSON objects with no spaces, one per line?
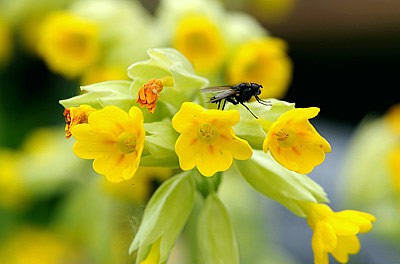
{"x":69,"y":44}
{"x":154,"y":255}
{"x":75,"y":116}
{"x":114,"y":139}
{"x":294,"y":142}
{"x":336,"y":232}
{"x":263,"y":61}
{"x":150,"y":92}
{"x":201,"y":41}
{"x":207,"y":139}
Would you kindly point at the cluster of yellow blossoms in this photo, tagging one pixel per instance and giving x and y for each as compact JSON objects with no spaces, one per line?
{"x":180,"y":133}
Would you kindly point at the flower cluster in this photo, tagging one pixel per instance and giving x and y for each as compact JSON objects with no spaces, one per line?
{"x":174,"y":129}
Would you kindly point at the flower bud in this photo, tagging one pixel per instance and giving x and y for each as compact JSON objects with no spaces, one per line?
{"x":216,"y":235}
{"x":163,"y":219}
{"x":268,"y":177}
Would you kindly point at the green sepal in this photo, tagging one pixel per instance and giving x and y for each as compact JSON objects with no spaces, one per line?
{"x":255,"y":130}
{"x":287,"y":187}
{"x":216,"y":235}
{"x":101,"y":94}
{"x":159,"y":149}
{"x":164,"y":63}
{"x":165,"y":215}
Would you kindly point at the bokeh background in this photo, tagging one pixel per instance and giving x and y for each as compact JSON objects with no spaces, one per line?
{"x":345,"y":57}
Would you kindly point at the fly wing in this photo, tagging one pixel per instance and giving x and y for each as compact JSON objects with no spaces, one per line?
{"x":216,"y":89}
{"x":222,"y":95}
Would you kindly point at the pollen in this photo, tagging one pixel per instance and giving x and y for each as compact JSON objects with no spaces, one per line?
{"x":286,"y":137}
{"x":127,"y":142}
{"x":149,"y":94}
{"x":207,"y":134}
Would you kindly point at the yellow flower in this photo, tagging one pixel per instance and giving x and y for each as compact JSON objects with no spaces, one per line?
{"x":139,"y":188}
{"x":207,"y":139}
{"x":12,"y":190}
{"x":39,"y":247}
{"x":201,"y":41}
{"x":392,"y":117}
{"x":262,"y":61}
{"x":294,"y":142}
{"x":5,"y":41}
{"x":103,"y":73}
{"x":114,"y":139}
{"x":154,"y":255}
{"x":394,"y":166}
{"x":69,"y":44}
{"x":75,"y":116}
{"x":335,"y":232}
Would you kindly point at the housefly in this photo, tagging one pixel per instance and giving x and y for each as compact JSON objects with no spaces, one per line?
{"x":236,"y":94}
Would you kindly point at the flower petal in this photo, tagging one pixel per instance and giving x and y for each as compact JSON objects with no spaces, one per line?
{"x":213,"y":159}
{"x":110,"y":118}
{"x":184,"y":117}
{"x":90,"y":144}
{"x":187,"y":148}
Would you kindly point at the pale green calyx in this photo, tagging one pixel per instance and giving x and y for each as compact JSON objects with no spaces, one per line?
{"x":164,"y":63}
{"x":287,"y":187}
{"x":101,"y":94}
{"x":160,"y":145}
{"x":216,"y":236}
{"x":255,"y":130}
{"x":164,"y":217}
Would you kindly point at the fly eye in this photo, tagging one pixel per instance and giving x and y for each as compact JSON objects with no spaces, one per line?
{"x":259,"y":92}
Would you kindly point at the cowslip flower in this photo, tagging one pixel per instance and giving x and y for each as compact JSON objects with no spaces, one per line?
{"x":392,"y":118}
{"x":294,"y":142}
{"x":69,"y":44}
{"x":207,"y":139}
{"x":114,"y":139}
{"x":103,"y":73}
{"x":336,"y":232}
{"x":263,"y":61}
{"x":394,"y":166}
{"x":5,"y":41}
{"x":75,"y":116}
{"x":201,"y":41}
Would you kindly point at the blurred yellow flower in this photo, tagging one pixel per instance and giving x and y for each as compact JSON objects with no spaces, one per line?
{"x":31,"y":245}
{"x":154,"y":255}
{"x":335,"y":232}
{"x":294,"y":142}
{"x":262,"y":61}
{"x":139,"y":188}
{"x":103,"y":73}
{"x":207,"y":139}
{"x":69,"y":44}
{"x":271,"y":10}
{"x":394,"y":166}
{"x":5,"y":42}
{"x":392,"y":117}
{"x":75,"y":116}
{"x":12,"y":190}
{"x":114,"y":139}
{"x":201,"y":41}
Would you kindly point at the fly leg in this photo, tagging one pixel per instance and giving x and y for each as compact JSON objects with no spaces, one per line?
{"x":223,"y":106}
{"x":232,"y":100}
{"x":249,"y":110}
{"x":266,"y":103}
{"x":219,"y":105}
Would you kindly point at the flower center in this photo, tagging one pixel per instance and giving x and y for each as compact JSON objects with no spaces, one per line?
{"x":207,"y":134}
{"x":127,"y":142}
{"x":286,"y":137}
